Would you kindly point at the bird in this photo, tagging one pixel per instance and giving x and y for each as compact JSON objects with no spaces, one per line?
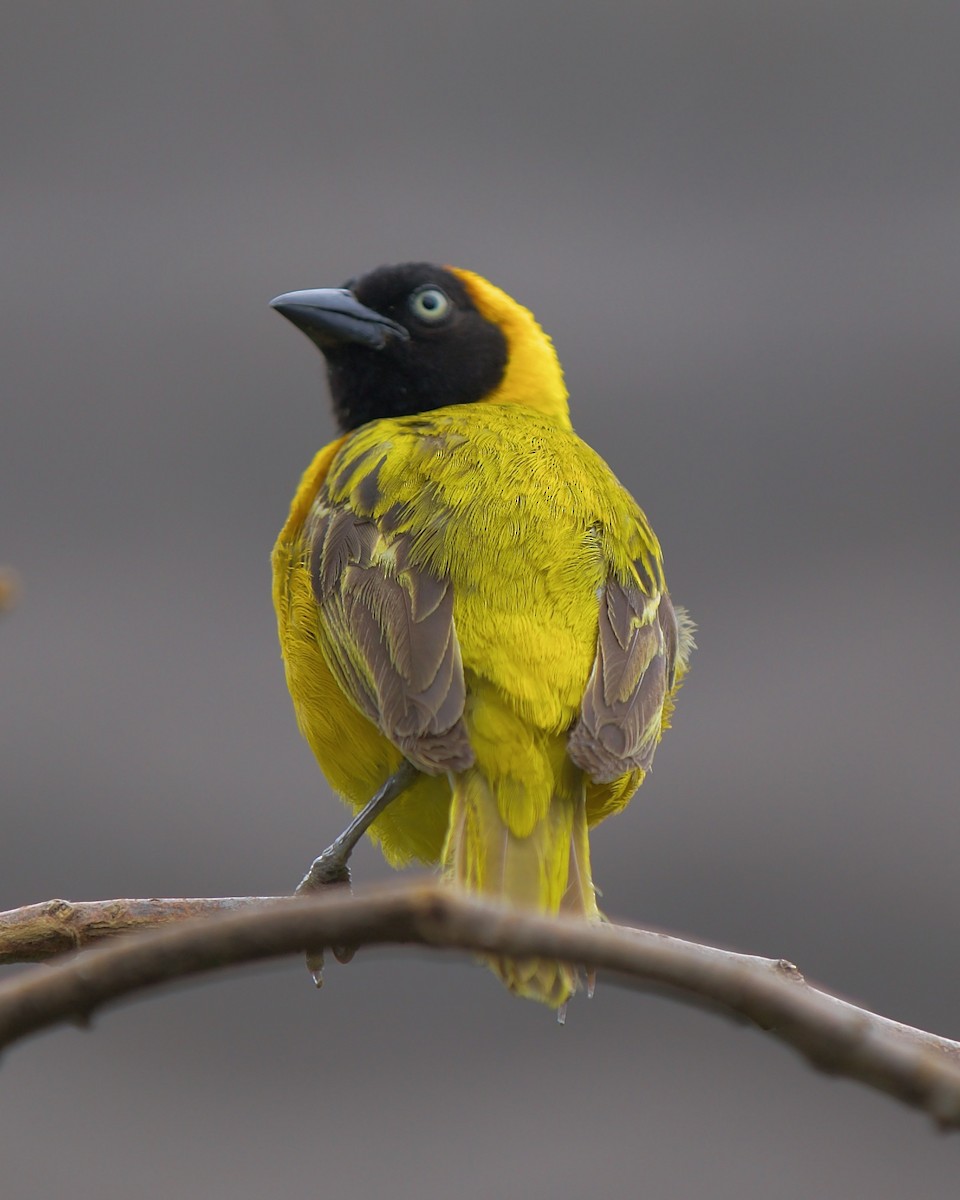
{"x":466,"y":593}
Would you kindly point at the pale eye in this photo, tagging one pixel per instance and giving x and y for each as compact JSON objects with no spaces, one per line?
{"x":430,"y":304}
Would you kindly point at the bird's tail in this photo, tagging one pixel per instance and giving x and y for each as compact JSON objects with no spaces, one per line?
{"x":527,"y":845}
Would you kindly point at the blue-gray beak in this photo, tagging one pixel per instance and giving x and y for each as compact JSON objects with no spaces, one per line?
{"x":334,"y":316}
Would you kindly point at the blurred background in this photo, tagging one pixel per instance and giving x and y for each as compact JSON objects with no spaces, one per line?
{"x":740,"y":224}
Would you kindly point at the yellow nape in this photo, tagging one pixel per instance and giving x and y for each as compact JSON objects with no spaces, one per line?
{"x":533,"y":376}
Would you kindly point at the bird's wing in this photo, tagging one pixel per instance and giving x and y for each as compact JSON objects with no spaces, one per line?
{"x":389,"y":633}
{"x":640,"y":644}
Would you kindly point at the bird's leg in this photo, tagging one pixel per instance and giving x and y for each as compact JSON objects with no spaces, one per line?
{"x":331,"y":866}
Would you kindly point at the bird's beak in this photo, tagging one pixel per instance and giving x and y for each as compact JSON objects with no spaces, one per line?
{"x":334,"y":316}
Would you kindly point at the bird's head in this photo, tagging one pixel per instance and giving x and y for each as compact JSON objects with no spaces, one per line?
{"x":415,"y":337}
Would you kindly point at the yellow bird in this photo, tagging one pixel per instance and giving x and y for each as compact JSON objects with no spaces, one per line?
{"x":463,"y":585}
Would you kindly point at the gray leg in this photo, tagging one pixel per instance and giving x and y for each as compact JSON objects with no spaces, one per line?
{"x":331,"y":865}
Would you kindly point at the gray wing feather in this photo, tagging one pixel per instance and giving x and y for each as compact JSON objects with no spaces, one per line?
{"x":393,"y":645}
{"x":634,"y":669}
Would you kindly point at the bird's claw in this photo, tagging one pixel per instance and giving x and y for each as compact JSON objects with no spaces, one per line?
{"x":328,"y":868}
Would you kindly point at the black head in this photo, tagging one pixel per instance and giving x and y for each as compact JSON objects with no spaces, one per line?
{"x":399,"y":341}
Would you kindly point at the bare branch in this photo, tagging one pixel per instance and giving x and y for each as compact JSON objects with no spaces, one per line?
{"x":9,"y":589}
{"x":41,"y":931}
{"x":919,"y":1068}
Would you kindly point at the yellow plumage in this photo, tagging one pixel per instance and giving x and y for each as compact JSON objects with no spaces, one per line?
{"x":500,"y":512}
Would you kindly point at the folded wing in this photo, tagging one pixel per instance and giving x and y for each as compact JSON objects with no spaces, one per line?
{"x":392,"y":644}
{"x":639,"y":647}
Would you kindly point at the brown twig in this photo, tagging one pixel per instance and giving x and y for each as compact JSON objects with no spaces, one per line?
{"x":9,"y":589}
{"x":41,"y":931}
{"x":919,"y":1068}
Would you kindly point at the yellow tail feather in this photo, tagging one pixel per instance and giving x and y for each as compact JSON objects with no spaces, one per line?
{"x":545,"y":868}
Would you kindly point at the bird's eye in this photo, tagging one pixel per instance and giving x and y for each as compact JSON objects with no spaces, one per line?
{"x":430,"y":304}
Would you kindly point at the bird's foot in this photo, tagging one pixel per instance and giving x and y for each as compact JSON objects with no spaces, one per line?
{"x":330,"y":868}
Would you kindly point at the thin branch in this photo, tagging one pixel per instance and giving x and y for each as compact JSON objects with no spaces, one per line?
{"x":40,"y":931}
{"x":9,"y":588}
{"x":921,"y":1069}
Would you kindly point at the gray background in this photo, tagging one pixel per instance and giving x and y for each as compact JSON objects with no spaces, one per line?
{"x":740,"y":224}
